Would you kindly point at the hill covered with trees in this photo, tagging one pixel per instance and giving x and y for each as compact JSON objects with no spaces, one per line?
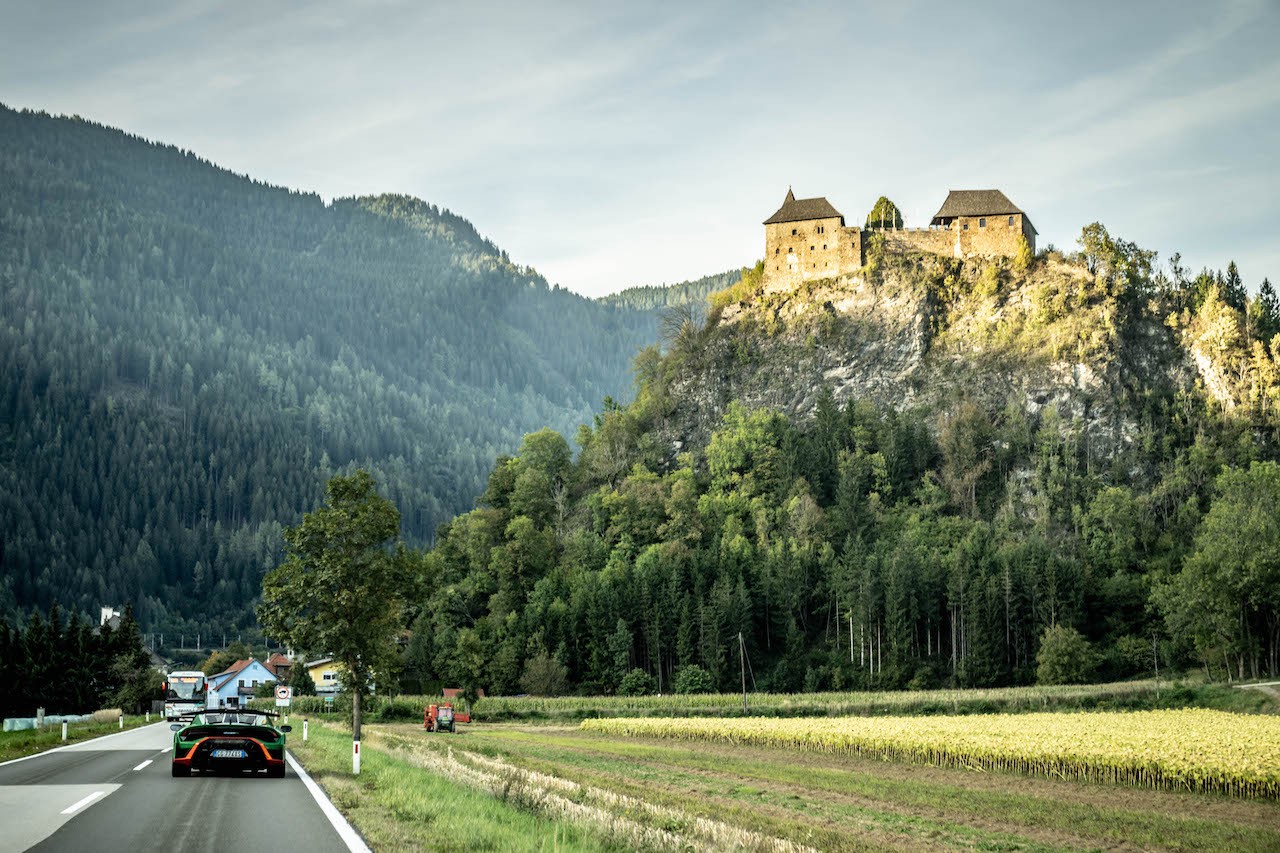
{"x":934,"y":472}
{"x":656,"y":297}
{"x":186,"y":356}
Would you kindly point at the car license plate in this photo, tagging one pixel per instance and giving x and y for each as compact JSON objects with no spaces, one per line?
{"x":227,"y":753}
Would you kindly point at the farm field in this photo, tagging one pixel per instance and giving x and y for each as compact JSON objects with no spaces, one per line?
{"x":661,"y":793}
{"x":1187,"y":749}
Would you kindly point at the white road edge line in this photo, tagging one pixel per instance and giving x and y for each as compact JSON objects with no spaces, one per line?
{"x":142,"y":765}
{"x":72,"y":809}
{"x":344,"y":829}
{"x":167,"y":748}
{"x":71,"y":745}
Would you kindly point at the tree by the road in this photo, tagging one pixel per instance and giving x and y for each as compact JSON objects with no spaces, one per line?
{"x":341,"y":587}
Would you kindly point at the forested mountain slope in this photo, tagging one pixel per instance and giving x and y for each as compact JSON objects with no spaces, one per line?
{"x":933,"y":472}
{"x":186,"y":355}
{"x":656,"y":297}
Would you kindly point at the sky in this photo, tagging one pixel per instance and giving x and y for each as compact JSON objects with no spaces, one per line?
{"x":614,"y":144}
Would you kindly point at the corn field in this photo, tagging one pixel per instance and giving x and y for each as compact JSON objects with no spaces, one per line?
{"x":1190,"y":749}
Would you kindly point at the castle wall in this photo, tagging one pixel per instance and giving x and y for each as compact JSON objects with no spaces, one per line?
{"x":811,"y":249}
{"x":938,"y":241}
{"x":823,"y":248}
{"x":993,"y":235}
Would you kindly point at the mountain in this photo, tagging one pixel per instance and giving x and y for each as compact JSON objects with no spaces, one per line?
{"x":658,"y":297}
{"x":187,"y":354}
{"x":928,"y":472}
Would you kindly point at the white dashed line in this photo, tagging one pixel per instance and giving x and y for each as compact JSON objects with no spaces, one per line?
{"x":167,"y":748}
{"x":143,"y":764}
{"x":75,"y":807}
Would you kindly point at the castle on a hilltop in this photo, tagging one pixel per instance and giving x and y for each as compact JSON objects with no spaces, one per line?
{"x":807,"y":237}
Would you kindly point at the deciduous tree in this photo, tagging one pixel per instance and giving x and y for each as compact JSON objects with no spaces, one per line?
{"x":342,"y":585}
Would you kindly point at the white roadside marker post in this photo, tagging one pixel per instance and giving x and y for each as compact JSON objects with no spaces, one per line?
{"x":148,"y":716}
{"x":122,"y":721}
{"x":64,"y":731}
{"x":355,"y":757}
{"x":304,"y":731}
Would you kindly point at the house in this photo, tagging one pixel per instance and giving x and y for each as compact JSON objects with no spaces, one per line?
{"x":279,"y":665}
{"x":327,"y":675}
{"x":235,"y":686}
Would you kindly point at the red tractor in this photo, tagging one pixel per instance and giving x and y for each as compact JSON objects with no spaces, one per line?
{"x":441,"y":718}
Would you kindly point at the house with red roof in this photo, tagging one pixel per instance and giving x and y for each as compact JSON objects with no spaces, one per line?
{"x":235,"y":686}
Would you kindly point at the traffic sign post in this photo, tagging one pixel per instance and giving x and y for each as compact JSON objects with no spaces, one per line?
{"x":284,"y":696}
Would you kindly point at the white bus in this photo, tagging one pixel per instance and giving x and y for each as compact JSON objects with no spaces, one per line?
{"x":185,"y":695}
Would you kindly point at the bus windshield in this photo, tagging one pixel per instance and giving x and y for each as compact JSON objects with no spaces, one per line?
{"x":185,"y":687}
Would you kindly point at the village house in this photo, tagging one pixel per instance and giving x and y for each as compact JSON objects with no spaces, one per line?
{"x":236,"y":685}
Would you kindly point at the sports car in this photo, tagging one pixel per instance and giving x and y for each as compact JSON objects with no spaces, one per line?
{"x":236,"y":742}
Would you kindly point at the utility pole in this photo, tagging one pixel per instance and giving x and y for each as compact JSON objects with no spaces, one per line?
{"x":742,"y":665}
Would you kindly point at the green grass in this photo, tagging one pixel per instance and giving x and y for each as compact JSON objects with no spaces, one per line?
{"x":17,"y":744}
{"x":398,"y":806}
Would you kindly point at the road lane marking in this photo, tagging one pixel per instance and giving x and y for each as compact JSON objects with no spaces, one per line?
{"x":143,"y":764}
{"x":167,"y":748}
{"x":345,"y":830}
{"x":75,"y":807}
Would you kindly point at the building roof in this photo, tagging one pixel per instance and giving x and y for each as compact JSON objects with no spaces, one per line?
{"x":276,"y":661}
{"x":221,"y":679}
{"x":976,"y":203}
{"x":798,"y":210}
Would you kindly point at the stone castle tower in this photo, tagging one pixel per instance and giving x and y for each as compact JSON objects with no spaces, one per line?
{"x":808,"y":239}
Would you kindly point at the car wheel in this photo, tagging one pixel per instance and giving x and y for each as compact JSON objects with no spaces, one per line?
{"x":180,"y":770}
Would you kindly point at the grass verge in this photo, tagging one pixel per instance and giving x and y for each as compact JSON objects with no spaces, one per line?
{"x":396,"y":805}
{"x":18,"y":744}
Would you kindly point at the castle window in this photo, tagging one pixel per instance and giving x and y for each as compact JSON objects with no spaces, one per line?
{"x":793,"y":232}
{"x":966,"y":226}
{"x":1010,"y":220}
{"x":776,"y":251}
{"x":790,"y":251}
{"x":982,"y":223}
{"x":824,"y":246}
{"x":810,"y":248}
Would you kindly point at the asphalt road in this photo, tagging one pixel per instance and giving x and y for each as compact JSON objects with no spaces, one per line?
{"x":115,"y":793}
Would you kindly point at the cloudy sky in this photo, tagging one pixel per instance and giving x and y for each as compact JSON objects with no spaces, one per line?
{"x":611,"y":144}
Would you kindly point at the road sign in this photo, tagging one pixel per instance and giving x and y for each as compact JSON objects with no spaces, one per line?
{"x":284,"y":695}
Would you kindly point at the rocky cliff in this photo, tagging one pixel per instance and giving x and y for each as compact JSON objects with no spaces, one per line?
{"x":916,"y":330}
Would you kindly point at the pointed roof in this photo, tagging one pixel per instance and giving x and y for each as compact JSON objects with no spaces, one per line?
{"x":231,"y":672}
{"x":976,"y":203}
{"x":276,"y":661}
{"x":798,"y":210}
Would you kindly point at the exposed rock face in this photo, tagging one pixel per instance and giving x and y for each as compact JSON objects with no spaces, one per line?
{"x":929,"y":332}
